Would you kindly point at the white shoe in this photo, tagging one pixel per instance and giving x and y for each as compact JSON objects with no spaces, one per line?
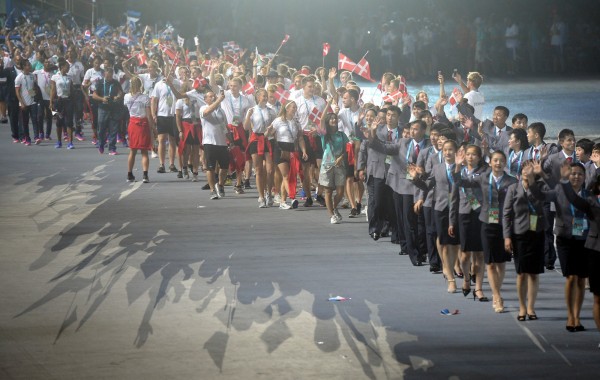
{"x":269,"y":200}
{"x":154,"y":155}
{"x":284,"y":206}
{"x":195,"y":178}
{"x":277,"y":198}
{"x":335,"y":219}
{"x":337,"y":214}
{"x":262,"y":203}
{"x":214,"y":195}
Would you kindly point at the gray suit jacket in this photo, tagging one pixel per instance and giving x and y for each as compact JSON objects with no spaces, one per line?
{"x":371,"y":160}
{"x":517,"y":208}
{"x":396,"y":176}
{"x":482,"y":182}
{"x":494,"y":141}
{"x":592,"y":208}
{"x":459,"y":203}
{"x":591,"y":174}
{"x":427,"y":159}
{"x":551,"y":166}
{"x":438,"y":179}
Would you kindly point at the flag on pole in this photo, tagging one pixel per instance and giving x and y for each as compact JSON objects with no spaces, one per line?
{"x":282,"y":95}
{"x":168,"y":51}
{"x":326,"y":47}
{"x":132,"y":18}
{"x":200,"y":82}
{"x":87,"y":35}
{"x":456,"y":94}
{"x":141,"y":58}
{"x":180,"y":40}
{"x":402,"y":80}
{"x":393,"y":97}
{"x":363,"y":69}
{"x":285,"y":39}
{"x":315,"y":116}
{"x":123,"y":39}
{"x":248,"y":88}
{"x":101,"y":30}
{"x":345,"y":63}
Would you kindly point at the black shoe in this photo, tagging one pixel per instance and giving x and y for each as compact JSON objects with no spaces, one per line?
{"x":385,"y":234}
{"x":570,"y":328}
{"x":308,"y":202}
{"x":145,"y":179}
{"x":173,"y":169}
{"x":434,"y":269}
{"x":358,"y":208}
{"x":130,"y":177}
{"x":179,"y":174}
{"x":550,"y":267}
{"x":206,"y":187}
{"x":320,"y":199}
{"x":353,"y":213}
{"x":394,"y":242}
{"x":417,"y":263}
{"x":375,"y":236}
{"x":402,"y":253}
{"x":161,"y":169}
{"x":247,"y":184}
{"x":577,"y":328}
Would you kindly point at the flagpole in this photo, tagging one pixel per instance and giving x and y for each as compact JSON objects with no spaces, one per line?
{"x":363,"y":57}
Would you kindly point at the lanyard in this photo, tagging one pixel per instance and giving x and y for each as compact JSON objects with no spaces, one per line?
{"x":287,"y":124}
{"x":510,"y":160}
{"x":109,"y":89}
{"x":531,"y":208}
{"x":261,"y":116}
{"x":66,"y":83}
{"x":306,"y":104}
{"x":409,"y":151}
{"x":449,"y":169}
{"x":497,"y":186}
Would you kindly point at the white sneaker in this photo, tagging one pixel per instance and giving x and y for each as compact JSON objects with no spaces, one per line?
{"x":269,"y":200}
{"x":284,"y":206}
{"x":220,"y":191}
{"x":214,"y":195}
{"x":262,"y":203}
{"x":154,"y":155}
{"x":195,"y":178}
{"x":337,"y":214}
{"x":334,"y":219}
{"x":277,"y":198}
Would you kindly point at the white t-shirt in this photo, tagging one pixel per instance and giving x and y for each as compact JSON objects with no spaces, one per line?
{"x":166,"y":98}
{"x":347,"y":120}
{"x":286,"y":130}
{"x":198,"y":97}
{"x":76,"y":71}
{"x":63,"y":85}
{"x":475,"y":98}
{"x":305,"y":107}
{"x":137,"y":104}
{"x":235,"y":108}
{"x":261,"y":118}
{"x":93,"y":76}
{"x":24,"y":84}
{"x":214,"y":127}
{"x":149,"y":82}
{"x":44,"y":82}
{"x":193,"y":109}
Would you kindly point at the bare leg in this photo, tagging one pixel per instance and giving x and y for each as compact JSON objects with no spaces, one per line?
{"x":465,"y":265}
{"x":533,"y":283}
{"x":145,"y":160}
{"x":285,"y":170}
{"x":162,"y":141}
{"x":570,"y":285}
{"x":578,"y":301}
{"x":339,"y":194}
{"x":522,"y":292}
{"x":328,"y":199}
{"x":131,"y":160}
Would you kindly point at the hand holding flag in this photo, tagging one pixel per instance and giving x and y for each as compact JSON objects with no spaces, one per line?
{"x":326,"y":47}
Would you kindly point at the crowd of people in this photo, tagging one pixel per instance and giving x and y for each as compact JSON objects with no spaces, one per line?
{"x":431,"y":184}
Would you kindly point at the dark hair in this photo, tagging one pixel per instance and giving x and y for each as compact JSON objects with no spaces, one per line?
{"x":438,"y":127}
{"x":328,"y":129}
{"x":353,"y":94}
{"x":519,"y":116}
{"x":395,"y":109}
{"x":419,"y":104}
{"x":448,"y":133}
{"x":477,"y":148}
{"x":563,"y":134}
{"x":498,"y":152}
{"x":538,"y":128}
{"x":586,"y":144}
{"x":424,"y":113}
{"x":465,"y":104}
{"x":503,"y":109}
{"x":453,"y":142}
{"x":521,"y":136}
{"x":422,"y":125}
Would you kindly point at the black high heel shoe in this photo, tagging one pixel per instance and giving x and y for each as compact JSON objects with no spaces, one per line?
{"x":481,"y":299}
{"x":466,"y":292}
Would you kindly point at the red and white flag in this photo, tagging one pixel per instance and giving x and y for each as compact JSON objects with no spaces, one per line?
{"x":402,"y":86}
{"x":363,"y":69}
{"x":200,"y":82}
{"x":168,"y":51}
{"x":248,"y":88}
{"x":393,"y":97}
{"x":282,"y":95}
{"x":285,"y":39}
{"x":456,"y":94}
{"x":325,"y":48}
{"x":141,"y":58}
{"x":345,"y":63}
{"x":315,"y":116}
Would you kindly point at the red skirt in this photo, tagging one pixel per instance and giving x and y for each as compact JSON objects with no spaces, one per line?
{"x":193,"y":131}
{"x":262,"y":145}
{"x":237,"y":159}
{"x":239,"y":134}
{"x":139,"y":133}
{"x":350,"y":151}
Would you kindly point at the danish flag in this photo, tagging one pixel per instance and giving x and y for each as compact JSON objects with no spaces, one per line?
{"x":282,"y":95}
{"x":141,"y":58}
{"x":454,"y":97}
{"x":168,"y":51}
{"x":325,"y":48}
{"x":363,"y":69}
{"x":315,"y":116}
{"x":345,"y":63}
{"x":248,"y":88}
{"x":402,"y":86}
{"x":394,"y":97}
{"x":200,"y":82}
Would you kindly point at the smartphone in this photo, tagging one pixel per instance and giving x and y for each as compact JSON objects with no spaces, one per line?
{"x":439,"y":73}
{"x":455,"y":72}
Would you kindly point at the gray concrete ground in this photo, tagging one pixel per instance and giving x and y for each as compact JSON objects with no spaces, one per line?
{"x":105,"y":279}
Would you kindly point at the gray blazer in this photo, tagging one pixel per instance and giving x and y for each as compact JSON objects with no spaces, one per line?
{"x":396,"y":177}
{"x":473,"y":134}
{"x":495,"y":142}
{"x":427,"y":159}
{"x":458,"y":200}
{"x":482,"y":182}
{"x":438,"y":179}
{"x":563,"y":222}
{"x":516,"y":210}
{"x":591,"y":173}
{"x":551,"y":166}
{"x":591,"y":207}
{"x":371,"y":160}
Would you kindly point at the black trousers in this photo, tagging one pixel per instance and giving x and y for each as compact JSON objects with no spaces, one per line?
{"x":380,"y":201}
{"x":431,"y":237}
{"x":549,"y":250}
{"x":406,"y":225}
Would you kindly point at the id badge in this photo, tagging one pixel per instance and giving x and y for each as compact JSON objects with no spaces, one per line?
{"x":235,"y":120}
{"x":388,"y":160}
{"x":169,"y":101}
{"x":533,"y":219}
{"x":578,"y":226}
{"x":473,"y":202}
{"x":408,"y":176}
{"x":494,"y":215}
